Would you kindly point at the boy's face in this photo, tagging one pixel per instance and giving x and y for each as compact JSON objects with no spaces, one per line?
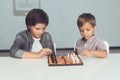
{"x":37,"y":30}
{"x":87,"y":31}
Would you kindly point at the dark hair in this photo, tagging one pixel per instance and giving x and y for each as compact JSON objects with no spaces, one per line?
{"x":86,"y":17}
{"x":36,"y":16}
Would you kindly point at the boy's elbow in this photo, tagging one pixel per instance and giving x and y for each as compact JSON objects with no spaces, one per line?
{"x":12,"y":53}
{"x":105,"y":55}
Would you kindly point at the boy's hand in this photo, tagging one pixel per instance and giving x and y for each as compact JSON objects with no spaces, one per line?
{"x":44,"y":51}
{"x":85,"y":53}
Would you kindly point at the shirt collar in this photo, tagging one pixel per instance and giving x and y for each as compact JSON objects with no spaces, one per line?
{"x":89,"y":40}
{"x":36,"y":39}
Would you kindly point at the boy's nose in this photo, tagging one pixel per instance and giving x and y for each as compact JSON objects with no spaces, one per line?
{"x":85,"y":32}
{"x":41,"y":31}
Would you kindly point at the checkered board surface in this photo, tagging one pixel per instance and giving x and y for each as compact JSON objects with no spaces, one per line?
{"x":65,"y":61}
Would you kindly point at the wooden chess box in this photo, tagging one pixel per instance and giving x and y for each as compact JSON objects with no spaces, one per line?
{"x":65,"y":61}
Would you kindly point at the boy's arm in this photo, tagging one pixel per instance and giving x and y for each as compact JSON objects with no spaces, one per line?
{"x":31,"y":55}
{"x":101,"y":51}
{"x":17,"y":52}
{"x":41,"y":53}
{"x":15,"y":48}
{"x":97,"y":53}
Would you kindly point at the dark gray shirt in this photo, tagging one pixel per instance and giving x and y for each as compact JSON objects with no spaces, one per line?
{"x":24,"y":41}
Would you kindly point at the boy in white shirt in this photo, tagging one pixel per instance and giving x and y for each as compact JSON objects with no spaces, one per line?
{"x":34,"y":42}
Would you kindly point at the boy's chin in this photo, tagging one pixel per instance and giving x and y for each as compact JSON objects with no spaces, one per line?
{"x":36,"y":36}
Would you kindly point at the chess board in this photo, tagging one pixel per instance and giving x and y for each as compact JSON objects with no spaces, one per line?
{"x":65,"y":61}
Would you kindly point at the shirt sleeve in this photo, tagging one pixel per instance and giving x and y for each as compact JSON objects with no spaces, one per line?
{"x":101,"y":45}
{"x":15,"y":50}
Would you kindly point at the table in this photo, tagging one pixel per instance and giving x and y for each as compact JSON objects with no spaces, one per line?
{"x":38,"y":69}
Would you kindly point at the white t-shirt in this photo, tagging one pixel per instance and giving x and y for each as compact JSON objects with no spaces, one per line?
{"x":36,"y":45}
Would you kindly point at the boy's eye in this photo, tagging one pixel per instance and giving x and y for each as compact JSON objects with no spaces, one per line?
{"x":43,"y":28}
{"x":37,"y":28}
{"x":88,"y":29}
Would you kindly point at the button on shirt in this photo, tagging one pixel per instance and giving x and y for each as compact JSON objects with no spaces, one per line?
{"x":36,"y":45}
{"x":93,"y":43}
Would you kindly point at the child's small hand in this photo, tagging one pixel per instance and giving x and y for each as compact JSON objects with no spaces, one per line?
{"x":72,"y":52}
{"x":85,"y":53}
{"x":45,"y":51}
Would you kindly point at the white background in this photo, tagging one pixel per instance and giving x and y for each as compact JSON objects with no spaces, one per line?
{"x":63,"y":15}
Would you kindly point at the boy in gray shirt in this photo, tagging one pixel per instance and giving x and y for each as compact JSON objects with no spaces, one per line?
{"x":89,"y":43}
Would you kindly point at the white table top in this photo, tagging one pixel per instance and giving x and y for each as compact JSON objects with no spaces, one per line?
{"x":38,"y":69}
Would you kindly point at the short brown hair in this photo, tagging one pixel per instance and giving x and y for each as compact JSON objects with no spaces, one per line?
{"x":86,"y":17}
